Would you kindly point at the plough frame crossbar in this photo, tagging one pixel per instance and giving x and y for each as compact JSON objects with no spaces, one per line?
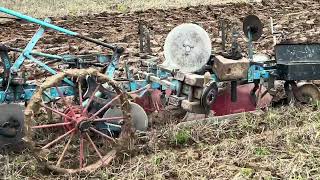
{"x":28,"y":53}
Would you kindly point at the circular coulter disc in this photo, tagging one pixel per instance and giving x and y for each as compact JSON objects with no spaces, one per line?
{"x":252,"y":23}
{"x":138,"y":115}
{"x":187,"y":48}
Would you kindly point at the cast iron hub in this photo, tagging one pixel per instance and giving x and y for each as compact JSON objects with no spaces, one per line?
{"x":83,"y":121}
{"x":84,"y":126}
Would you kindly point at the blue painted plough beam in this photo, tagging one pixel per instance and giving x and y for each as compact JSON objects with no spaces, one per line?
{"x":57,"y":28}
{"x":8,"y":94}
{"x":27,"y":52}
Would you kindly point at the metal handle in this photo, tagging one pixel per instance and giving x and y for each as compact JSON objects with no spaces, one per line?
{"x":60,"y":29}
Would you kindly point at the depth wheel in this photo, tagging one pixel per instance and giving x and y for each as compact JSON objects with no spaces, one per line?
{"x":76,"y":139}
{"x":309,"y":93}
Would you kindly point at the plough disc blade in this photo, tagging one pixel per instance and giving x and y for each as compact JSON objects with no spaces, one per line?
{"x":11,"y":126}
{"x":245,"y":101}
{"x":138,"y":115}
{"x":307,"y":93}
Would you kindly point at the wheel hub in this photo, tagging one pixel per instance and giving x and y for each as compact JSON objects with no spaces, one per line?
{"x":84,"y":126}
{"x":82,"y":122}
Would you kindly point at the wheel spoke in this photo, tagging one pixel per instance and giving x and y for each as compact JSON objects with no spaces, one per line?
{"x":51,"y":125}
{"x":94,"y":147}
{"x":81,"y":155}
{"x":114,"y":125}
{"x":108,"y":119}
{"x":64,"y":150}
{"x":105,"y":106}
{"x":80,"y":94}
{"x":102,"y":134}
{"x":90,"y":99}
{"x":156,"y":106}
{"x":57,"y":112}
{"x":58,"y":138}
{"x":65,"y":100}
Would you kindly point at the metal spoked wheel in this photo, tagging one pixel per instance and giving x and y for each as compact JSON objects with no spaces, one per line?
{"x":77,"y":138}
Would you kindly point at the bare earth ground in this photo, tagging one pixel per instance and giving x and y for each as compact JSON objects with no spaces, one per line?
{"x":280,"y":144}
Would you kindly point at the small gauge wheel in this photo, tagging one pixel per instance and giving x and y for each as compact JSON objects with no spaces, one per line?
{"x":209,"y":95}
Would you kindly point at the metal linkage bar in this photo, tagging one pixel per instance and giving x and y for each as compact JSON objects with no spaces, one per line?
{"x":50,"y":56}
{"x":60,"y":29}
{"x":32,"y":43}
{"x":49,"y":69}
{"x":151,"y":77}
{"x":36,"y":21}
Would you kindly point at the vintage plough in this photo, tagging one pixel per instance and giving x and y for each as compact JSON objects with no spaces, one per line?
{"x":77,"y":119}
{"x":92,"y":108}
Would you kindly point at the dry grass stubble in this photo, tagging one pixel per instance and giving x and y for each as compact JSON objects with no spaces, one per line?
{"x":49,"y":8}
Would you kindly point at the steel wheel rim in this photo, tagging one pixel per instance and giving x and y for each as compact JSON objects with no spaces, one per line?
{"x":78,"y":126}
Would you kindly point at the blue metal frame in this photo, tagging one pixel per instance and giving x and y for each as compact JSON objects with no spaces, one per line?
{"x":27,"y":90}
{"x":32,"y":43}
{"x":37,"y":21}
{"x":49,"y":69}
{"x":255,"y":72}
{"x":27,"y":53}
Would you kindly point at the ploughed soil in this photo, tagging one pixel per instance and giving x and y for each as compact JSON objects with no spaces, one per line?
{"x":282,"y":143}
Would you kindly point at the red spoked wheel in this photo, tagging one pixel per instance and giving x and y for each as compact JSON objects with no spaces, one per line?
{"x":77,"y":138}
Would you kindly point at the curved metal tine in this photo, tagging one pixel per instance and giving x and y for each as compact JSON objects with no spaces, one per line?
{"x":114,"y":125}
{"x":95,"y":147}
{"x":65,"y":150}
{"x":58,"y":138}
{"x":108,"y":119}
